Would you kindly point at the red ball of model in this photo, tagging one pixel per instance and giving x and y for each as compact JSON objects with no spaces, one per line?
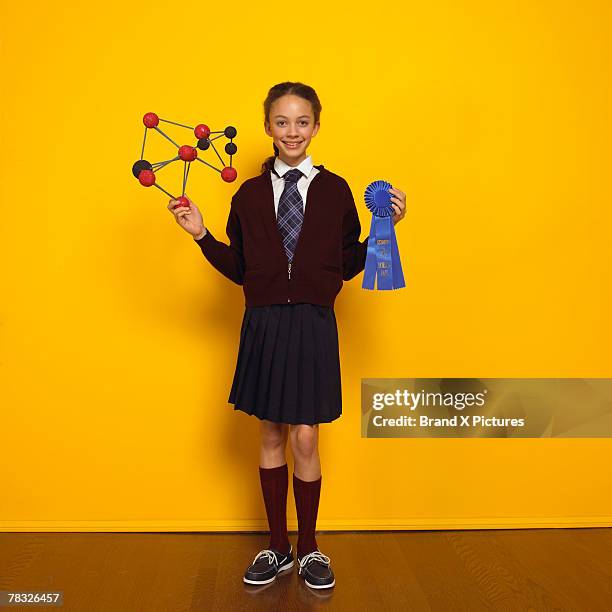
{"x":146,"y":178}
{"x":187,"y":153}
{"x":182,"y":201}
{"x":201,"y":131}
{"x":229,"y":174}
{"x":150,"y":120}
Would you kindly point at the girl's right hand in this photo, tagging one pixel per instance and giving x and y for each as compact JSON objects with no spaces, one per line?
{"x":189,"y":218}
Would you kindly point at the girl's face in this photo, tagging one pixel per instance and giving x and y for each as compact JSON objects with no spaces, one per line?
{"x":291,"y":125}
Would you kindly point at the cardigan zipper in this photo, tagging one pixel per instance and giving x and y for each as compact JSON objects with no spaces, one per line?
{"x":273,"y":216}
{"x":280,"y":242}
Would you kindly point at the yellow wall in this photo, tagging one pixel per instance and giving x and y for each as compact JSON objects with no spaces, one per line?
{"x":119,"y":339}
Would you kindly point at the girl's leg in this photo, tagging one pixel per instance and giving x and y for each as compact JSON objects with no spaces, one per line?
{"x":306,"y":484}
{"x":274,"y":479}
{"x":273,"y":444}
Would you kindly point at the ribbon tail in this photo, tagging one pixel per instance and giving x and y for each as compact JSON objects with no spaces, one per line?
{"x":369,"y":273}
{"x":396,"y":263}
{"x":383,"y":266}
{"x":383,"y":253}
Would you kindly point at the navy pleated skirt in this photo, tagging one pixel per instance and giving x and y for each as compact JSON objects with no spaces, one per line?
{"x":288,"y":365}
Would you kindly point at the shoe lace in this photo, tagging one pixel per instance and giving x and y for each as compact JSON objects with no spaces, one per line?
{"x":267,"y":553}
{"x":315,"y":556}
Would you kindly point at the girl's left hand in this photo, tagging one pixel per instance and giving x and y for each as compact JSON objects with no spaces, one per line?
{"x":398,"y":199}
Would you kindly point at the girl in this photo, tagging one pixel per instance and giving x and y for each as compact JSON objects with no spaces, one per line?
{"x":294,"y":237}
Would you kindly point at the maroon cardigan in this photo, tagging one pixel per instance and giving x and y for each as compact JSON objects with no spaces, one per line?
{"x":328,"y":250}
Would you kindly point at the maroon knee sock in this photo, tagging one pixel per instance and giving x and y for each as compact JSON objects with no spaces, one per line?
{"x":307,"y":505}
{"x":274,"y":485}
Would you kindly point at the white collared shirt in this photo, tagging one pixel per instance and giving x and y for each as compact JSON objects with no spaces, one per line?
{"x":278,"y":183}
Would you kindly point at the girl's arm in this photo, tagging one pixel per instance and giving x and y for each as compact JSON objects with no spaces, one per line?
{"x":226,"y":259}
{"x":353,"y":252}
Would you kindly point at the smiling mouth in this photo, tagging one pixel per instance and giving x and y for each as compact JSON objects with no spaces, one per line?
{"x":291,"y":145}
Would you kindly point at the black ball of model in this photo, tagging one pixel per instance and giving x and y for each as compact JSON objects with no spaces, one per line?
{"x":139,"y":166}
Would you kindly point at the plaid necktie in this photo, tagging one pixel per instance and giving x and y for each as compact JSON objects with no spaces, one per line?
{"x":290,"y":212}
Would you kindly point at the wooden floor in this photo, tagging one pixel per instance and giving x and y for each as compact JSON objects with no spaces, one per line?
{"x":514,"y":570}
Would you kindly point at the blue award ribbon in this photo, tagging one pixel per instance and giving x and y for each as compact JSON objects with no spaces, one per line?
{"x":382,"y":260}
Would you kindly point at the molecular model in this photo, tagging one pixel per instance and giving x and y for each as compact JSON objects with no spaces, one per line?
{"x":145,"y":171}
